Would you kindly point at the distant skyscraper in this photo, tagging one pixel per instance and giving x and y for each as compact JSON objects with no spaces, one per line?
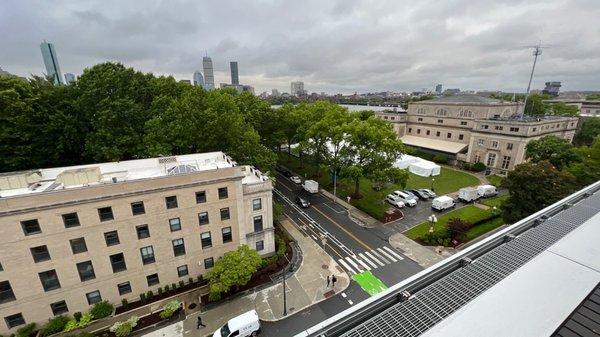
{"x":552,"y":88}
{"x":69,"y":78}
{"x":234,"y":73}
{"x":51,"y":62}
{"x":274,"y":92}
{"x":209,"y":77}
{"x":297,"y":88}
{"x":438,"y":89}
{"x":198,"y":79}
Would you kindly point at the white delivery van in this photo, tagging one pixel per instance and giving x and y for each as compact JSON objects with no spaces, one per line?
{"x":246,"y":324}
{"x":442,"y":203}
{"x":468,"y":194}
{"x":487,"y":191}
{"x":311,"y":186}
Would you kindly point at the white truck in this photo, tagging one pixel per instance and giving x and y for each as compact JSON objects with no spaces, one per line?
{"x":311,"y":186}
{"x":246,"y":324}
{"x":468,"y":194}
{"x":485,"y":191}
{"x":442,"y":203}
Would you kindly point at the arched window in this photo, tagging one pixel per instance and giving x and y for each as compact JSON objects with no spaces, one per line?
{"x":441,"y":112}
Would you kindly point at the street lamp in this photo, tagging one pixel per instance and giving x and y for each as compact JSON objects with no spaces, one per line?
{"x":432,"y":181}
{"x":432,"y":219}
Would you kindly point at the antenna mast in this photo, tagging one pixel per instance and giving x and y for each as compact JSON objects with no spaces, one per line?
{"x":537,"y":51}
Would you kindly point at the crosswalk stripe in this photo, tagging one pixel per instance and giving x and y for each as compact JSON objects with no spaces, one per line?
{"x":393,"y":252}
{"x":364,"y":264}
{"x":386,"y":255}
{"x":343,"y":263}
{"x":367,"y":260}
{"x":354,"y":264}
{"x":381,"y":257}
{"x":374,"y":258}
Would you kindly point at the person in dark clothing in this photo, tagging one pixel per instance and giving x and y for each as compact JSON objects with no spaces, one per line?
{"x":328,"y":280}
{"x":200,"y":324}
{"x":333,"y":280}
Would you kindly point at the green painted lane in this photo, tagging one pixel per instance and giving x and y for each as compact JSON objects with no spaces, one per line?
{"x":369,"y":283}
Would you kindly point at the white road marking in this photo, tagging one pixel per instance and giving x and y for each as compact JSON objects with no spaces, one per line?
{"x":381,"y":257}
{"x":362,"y":256}
{"x":374,"y":258}
{"x":344,"y":295}
{"x":314,"y":237}
{"x":354,"y":264}
{"x":351,"y":303}
{"x":364,"y":264}
{"x":393,"y":252}
{"x":387,"y":255}
{"x":341,"y":261}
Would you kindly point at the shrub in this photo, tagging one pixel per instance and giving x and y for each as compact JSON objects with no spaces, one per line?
{"x":85,"y":320}
{"x":466,"y":166}
{"x":143,"y":297}
{"x":167,"y":288}
{"x":123,"y":329}
{"x":181,"y":284}
{"x":440,"y":159}
{"x":77,"y":316}
{"x":54,"y":325}
{"x":173,"y":286}
{"x":149,"y":295}
{"x":101,"y":309}
{"x":124,"y":303}
{"x":71,"y":325}
{"x":478,"y":167}
{"x":457,"y":228}
{"x":26,"y":330}
{"x":170,"y":308}
{"x":191,"y":280}
{"x":200,"y":279}
{"x":160,"y":291}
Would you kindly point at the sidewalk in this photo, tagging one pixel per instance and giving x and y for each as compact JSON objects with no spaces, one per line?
{"x":358,"y":216}
{"x":305,"y":287}
{"x":424,"y":256}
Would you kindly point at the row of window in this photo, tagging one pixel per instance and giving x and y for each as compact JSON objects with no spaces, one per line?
{"x":491,"y":160}
{"x":494,"y":144}
{"x":438,"y":134}
{"x":31,"y":227}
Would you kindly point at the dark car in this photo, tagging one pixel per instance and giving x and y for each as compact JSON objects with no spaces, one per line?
{"x":422,"y":195}
{"x":302,"y":202}
{"x":283,"y":170}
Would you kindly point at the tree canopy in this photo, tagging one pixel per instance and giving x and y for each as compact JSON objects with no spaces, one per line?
{"x":558,"y":151}
{"x":590,"y":129}
{"x":234,"y":269}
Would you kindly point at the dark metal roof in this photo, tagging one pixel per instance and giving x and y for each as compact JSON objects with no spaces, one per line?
{"x":585,"y":320}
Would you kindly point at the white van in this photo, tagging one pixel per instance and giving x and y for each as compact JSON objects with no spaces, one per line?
{"x":311,"y":186}
{"x":442,"y":203}
{"x":246,"y":324}
{"x":468,"y":194}
{"x":487,"y":191}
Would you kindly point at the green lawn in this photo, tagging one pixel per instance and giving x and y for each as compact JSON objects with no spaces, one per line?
{"x":468,"y":213}
{"x":495,"y":180}
{"x":449,"y":180}
{"x":483,"y":228}
{"x":495,"y":201}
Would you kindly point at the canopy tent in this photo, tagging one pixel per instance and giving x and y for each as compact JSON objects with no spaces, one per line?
{"x":405,"y":160}
{"x":418,"y":166}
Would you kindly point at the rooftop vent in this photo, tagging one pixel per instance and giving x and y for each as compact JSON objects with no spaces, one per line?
{"x":81,"y":176}
{"x":179,"y":169}
{"x":16,"y":180}
{"x":166,"y":160}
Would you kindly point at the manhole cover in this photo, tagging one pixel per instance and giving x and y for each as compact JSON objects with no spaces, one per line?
{"x":324,"y":266}
{"x":329,"y":294}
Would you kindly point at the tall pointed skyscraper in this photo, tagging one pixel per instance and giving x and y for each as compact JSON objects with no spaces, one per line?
{"x":209,"y":78}
{"x":198,"y":79}
{"x":51,"y":62}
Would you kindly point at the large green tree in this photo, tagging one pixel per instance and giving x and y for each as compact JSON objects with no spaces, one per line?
{"x":558,"y":151}
{"x":562,"y":109}
{"x":593,"y":97}
{"x":234,"y":269}
{"x":590,"y":129}
{"x":535,"y":105}
{"x":533,"y":186}
{"x":587,"y":171}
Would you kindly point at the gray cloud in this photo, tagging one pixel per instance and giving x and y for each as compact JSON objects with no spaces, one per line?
{"x":333,"y":46}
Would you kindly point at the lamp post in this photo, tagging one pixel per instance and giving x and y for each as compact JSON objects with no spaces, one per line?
{"x":432,"y":219}
{"x":432,"y":181}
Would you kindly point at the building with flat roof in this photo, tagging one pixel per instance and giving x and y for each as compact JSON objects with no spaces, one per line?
{"x":552,"y":88}
{"x":209,"y":77}
{"x":471,"y":129}
{"x":51,"y":62}
{"x":73,"y":236}
{"x":235,"y":79}
{"x":586,"y":108}
{"x":297,"y":88}
{"x":537,"y":277}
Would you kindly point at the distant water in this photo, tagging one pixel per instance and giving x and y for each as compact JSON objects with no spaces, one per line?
{"x":352,"y":107}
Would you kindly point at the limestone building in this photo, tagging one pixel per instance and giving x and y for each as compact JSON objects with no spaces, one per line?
{"x":471,"y":129}
{"x":73,"y":236}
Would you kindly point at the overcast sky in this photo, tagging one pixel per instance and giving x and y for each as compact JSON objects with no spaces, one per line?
{"x":333,"y":46}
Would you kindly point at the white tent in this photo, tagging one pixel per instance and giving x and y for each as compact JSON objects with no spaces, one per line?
{"x":418,"y":166}
{"x":405,"y":160}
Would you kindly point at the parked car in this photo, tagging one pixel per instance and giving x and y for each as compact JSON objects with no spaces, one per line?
{"x":406,"y":199}
{"x":442,"y":203}
{"x":468,"y":194}
{"x":246,"y":324}
{"x":421,"y":194}
{"x":302,"y":202}
{"x":485,"y":191}
{"x":296,"y":179}
{"x":411,"y":194}
{"x":429,"y":192}
{"x":394,"y":200}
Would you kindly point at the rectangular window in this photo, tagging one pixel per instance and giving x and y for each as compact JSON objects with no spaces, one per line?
{"x":485,"y":126}
{"x":491,"y":159}
{"x":534,"y":129}
{"x":49,"y":280}
{"x":142,"y":231}
{"x":93,"y":297}
{"x":258,"y":223}
{"x":117,"y":261}
{"x":203,"y":218}
{"x":206,"y":240}
{"x":498,"y":127}
{"x":516,"y":129}
{"x":223,"y":193}
{"x":124,"y":288}
{"x":420,"y":119}
{"x":6,"y":292}
{"x":171,"y":202}
{"x":440,"y":121}
{"x":428,"y":132}
{"x":147,"y":254}
{"x":78,"y":245}
{"x":494,"y":144}
{"x":225,"y":213}
{"x":437,"y":134}
{"x":509,"y":146}
{"x":505,"y":162}
{"x":260,"y":245}
{"x":86,"y":271}
{"x":175,"y":224}
{"x":111,"y":238}
{"x":152,"y":279}
{"x":480,"y":142}
{"x":59,"y":308}
{"x":257,"y":204}
{"x":409,"y":130}
{"x":137,"y":208}
{"x":418,"y":131}
{"x":182,"y":270}
{"x":463,"y":123}
{"x":40,"y":254}
{"x":178,"y":247}
{"x":226,"y":232}
{"x":200,"y":197}
{"x":461,"y":137}
{"x":31,"y":227}
{"x":70,"y":220}
{"x":209,"y":263}
{"x":449,"y":135}
{"x":105,"y":214}
{"x":14,"y":320}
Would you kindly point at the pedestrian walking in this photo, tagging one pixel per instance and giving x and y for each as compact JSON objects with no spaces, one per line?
{"x":328,"y":280}
{"x":333,"y":280}
{"x":200,"y":324}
